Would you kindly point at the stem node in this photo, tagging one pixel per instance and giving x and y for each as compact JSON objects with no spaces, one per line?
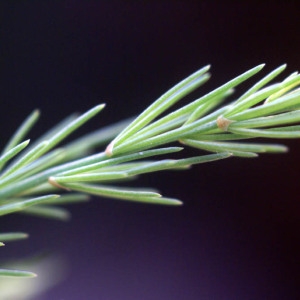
{"x":223,"y":123}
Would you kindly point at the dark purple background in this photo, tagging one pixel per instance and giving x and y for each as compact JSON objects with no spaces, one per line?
{"x":237,"y":235}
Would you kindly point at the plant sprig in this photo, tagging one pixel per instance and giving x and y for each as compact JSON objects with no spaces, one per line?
{"x":33,"y":176}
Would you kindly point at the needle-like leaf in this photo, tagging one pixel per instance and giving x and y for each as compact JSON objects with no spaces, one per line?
{"x":123,"y":194}
{"x":17,"y":206}
{"x":13,"y":236}
{"x":16,"y":273}
{"x":49,"y":212}
{"x":22,"y":131}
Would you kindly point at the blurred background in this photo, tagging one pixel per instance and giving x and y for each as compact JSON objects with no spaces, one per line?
{"x":237,"y":234}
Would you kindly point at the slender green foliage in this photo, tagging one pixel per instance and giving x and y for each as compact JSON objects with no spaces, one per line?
{"x":13,"y":236}
{"x":22,"y":131}
{"x":16,"y":273}
{"x":35,"y":174}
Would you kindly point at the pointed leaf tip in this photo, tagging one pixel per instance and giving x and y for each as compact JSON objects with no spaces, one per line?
{"x":109,"y":149}
{"x":100,"y":106}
